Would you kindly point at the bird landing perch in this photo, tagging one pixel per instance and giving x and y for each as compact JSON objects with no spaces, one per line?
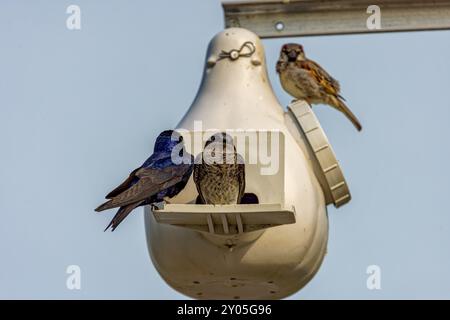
{"x":225,"y":220}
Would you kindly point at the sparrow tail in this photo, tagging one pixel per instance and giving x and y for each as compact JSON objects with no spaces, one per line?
{"x":341,"y":106}
{"x":122,"y":214}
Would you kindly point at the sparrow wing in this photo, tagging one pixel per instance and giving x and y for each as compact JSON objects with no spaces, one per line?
{"x":323,"y":79}
{"x":151,"y":181}
{"x":331,"y":87}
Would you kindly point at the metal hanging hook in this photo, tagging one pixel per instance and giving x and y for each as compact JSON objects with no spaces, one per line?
{"x":235,"y":54}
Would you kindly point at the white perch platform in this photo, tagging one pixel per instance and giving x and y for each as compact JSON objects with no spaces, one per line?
{"x":225,"y":219}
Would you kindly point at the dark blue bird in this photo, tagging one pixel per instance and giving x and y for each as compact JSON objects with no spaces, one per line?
{"x":162,"y":176}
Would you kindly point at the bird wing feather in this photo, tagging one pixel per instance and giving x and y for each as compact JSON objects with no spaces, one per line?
{"x":121,"y":214}
{"x":241,"y":177}
{"x":151,"y":181}
{"x":327,"y":82}
{"x":198,"y":175}
{"x":123,"y":186}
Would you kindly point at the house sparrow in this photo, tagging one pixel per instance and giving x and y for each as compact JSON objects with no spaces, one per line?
{"x":219,"y":172}
{"x":307,"y":80}
{"x":157,"y":179}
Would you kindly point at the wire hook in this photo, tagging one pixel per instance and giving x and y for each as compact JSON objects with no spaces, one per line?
{"x":235,"y":54}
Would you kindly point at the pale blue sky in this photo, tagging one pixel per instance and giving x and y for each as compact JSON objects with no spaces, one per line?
{"x":80,"y":109}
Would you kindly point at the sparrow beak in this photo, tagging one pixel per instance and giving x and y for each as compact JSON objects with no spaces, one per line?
{"x":292,"y":55}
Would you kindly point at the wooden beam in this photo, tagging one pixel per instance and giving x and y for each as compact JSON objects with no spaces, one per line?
{"x":289,"y":18}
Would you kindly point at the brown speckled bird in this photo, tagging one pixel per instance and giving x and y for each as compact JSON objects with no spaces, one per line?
{"x":307,"y":80}
{"x":219,"y":172}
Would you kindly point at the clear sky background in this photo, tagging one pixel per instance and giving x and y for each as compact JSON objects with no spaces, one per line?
{"x":80,"y":109}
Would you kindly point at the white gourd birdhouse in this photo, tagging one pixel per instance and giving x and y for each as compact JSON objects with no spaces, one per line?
{"x":267,"y":250}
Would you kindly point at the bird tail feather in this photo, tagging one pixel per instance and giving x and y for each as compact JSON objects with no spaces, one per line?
{"x":341,"y":106}
{"x":121,"y":215}
{"x":105,"y":206}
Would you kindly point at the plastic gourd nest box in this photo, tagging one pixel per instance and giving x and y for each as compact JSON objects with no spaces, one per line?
{"x":265,"y":250}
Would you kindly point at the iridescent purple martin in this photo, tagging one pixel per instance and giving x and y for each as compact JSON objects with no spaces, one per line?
{"x":219,"y":172}
{"x":160,"y":177}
